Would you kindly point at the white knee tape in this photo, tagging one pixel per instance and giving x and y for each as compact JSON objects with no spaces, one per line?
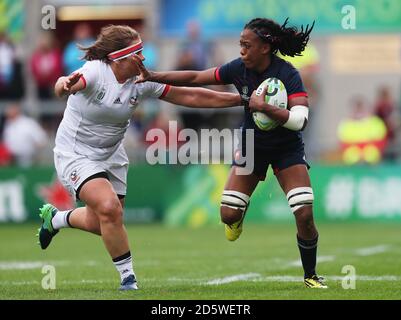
{"x":300,"y":197}
{"x":234,"y":200}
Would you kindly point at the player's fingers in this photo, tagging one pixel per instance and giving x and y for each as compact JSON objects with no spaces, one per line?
{"x":255,"y":102}
{"x":264,"y":91}
{"x":139,"y":80}
{"x":75,"y":77}
{"x":141,"y":66}
{"x":138,"y":61}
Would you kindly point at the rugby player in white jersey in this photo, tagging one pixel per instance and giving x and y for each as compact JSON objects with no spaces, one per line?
{"x":89,"y":155}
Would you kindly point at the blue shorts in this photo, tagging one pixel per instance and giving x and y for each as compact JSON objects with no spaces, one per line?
{"x":278,"y":160}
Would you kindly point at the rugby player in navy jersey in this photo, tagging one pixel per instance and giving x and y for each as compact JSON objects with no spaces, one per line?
{"x":281,"y":147}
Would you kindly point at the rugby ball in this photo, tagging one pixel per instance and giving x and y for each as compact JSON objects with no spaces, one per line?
{"x":276,"y":95}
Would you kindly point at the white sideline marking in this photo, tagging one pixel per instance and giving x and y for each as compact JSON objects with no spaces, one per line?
{"x":286,"y":278}
{"x":19,"y":283}
{"x":237,"y":277}
{"x":370,"y":278}
{"x":34,"y":282}
{"x":372,"y":250}
{"x":253,"y":277}
{"x":91,"y":263}
{"x":176,"y":279}
{"x":298,"y":263}
{"x":14,"y":265}
{"x":27,"y":265}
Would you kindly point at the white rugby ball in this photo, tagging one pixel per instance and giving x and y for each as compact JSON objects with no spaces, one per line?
{"x":276,"y":95}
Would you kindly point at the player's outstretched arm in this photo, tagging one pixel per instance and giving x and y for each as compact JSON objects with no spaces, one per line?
{"x":176,"y":78}
{"x":201,"y":98}
{"x":69,"y":84}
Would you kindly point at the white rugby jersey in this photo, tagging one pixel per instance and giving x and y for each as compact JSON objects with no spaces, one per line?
{"x":97,"y":117}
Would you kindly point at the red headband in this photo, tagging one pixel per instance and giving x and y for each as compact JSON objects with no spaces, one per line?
{"x":123,"y":53}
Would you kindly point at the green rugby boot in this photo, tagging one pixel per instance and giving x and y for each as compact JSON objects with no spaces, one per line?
{"x":46,"y":231}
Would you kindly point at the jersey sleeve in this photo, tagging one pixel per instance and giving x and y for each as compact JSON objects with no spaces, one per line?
{"x":154,"y":90}
{"x":294,"y":85}
{"x":89,"y":75}
{"x":225,"y":73}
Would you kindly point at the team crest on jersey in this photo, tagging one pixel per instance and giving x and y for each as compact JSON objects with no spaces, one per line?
{"x":100,"y":95}
{"x":133,"y":101}
{"x":244,"y":95}
{"x":73,"y":176}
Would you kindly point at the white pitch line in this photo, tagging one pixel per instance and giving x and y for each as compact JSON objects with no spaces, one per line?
{"x":27,"y":265}
{"x":253,"y":277}
{"x":286,"y":278}
{"x":372,"y":250}
{"x":14,"y":265}
{"x":35,"y":282}
{"x":19,"y":283}
{"x":234,"y":278}
{"x":298,"y":263}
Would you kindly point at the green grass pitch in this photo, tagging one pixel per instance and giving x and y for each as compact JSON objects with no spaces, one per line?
{"x":181,"y":263}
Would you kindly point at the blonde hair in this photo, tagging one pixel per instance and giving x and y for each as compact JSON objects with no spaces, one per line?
{"x":111,"y":38}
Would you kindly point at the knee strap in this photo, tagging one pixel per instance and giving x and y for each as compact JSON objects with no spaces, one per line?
{"x":235,"y":200}
{"x":300,"y":197}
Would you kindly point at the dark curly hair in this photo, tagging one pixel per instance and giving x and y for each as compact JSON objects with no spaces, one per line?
{"x":288,"y":40}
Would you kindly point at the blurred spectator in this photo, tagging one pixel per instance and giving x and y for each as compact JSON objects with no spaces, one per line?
{"x":46,"y":65}
{"x":194,"y":51}
{"x":72,"y":54}
{"x":23,"y":136}
{"x":386,"y":110}
{"x":6,"y":60}
{"x":162,"y":133}
{"x":194,"y":54}
{"x":134,"y":141}
{"x":11,"y":84}
{"x":5,"y":155}
{"x":363,"y":136}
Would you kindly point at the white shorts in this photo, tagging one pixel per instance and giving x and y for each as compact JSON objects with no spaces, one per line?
{"x":73,"y":169}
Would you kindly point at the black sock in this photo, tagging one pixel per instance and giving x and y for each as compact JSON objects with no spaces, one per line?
{"x":308,"y":249}
{"x":122,"y":257}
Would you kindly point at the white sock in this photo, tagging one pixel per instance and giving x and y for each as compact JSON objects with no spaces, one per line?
{"x":60,"y":220}
{"x":124,"y":265}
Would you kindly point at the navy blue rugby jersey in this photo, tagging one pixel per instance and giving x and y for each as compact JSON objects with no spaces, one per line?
{"x":246,"y":81}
